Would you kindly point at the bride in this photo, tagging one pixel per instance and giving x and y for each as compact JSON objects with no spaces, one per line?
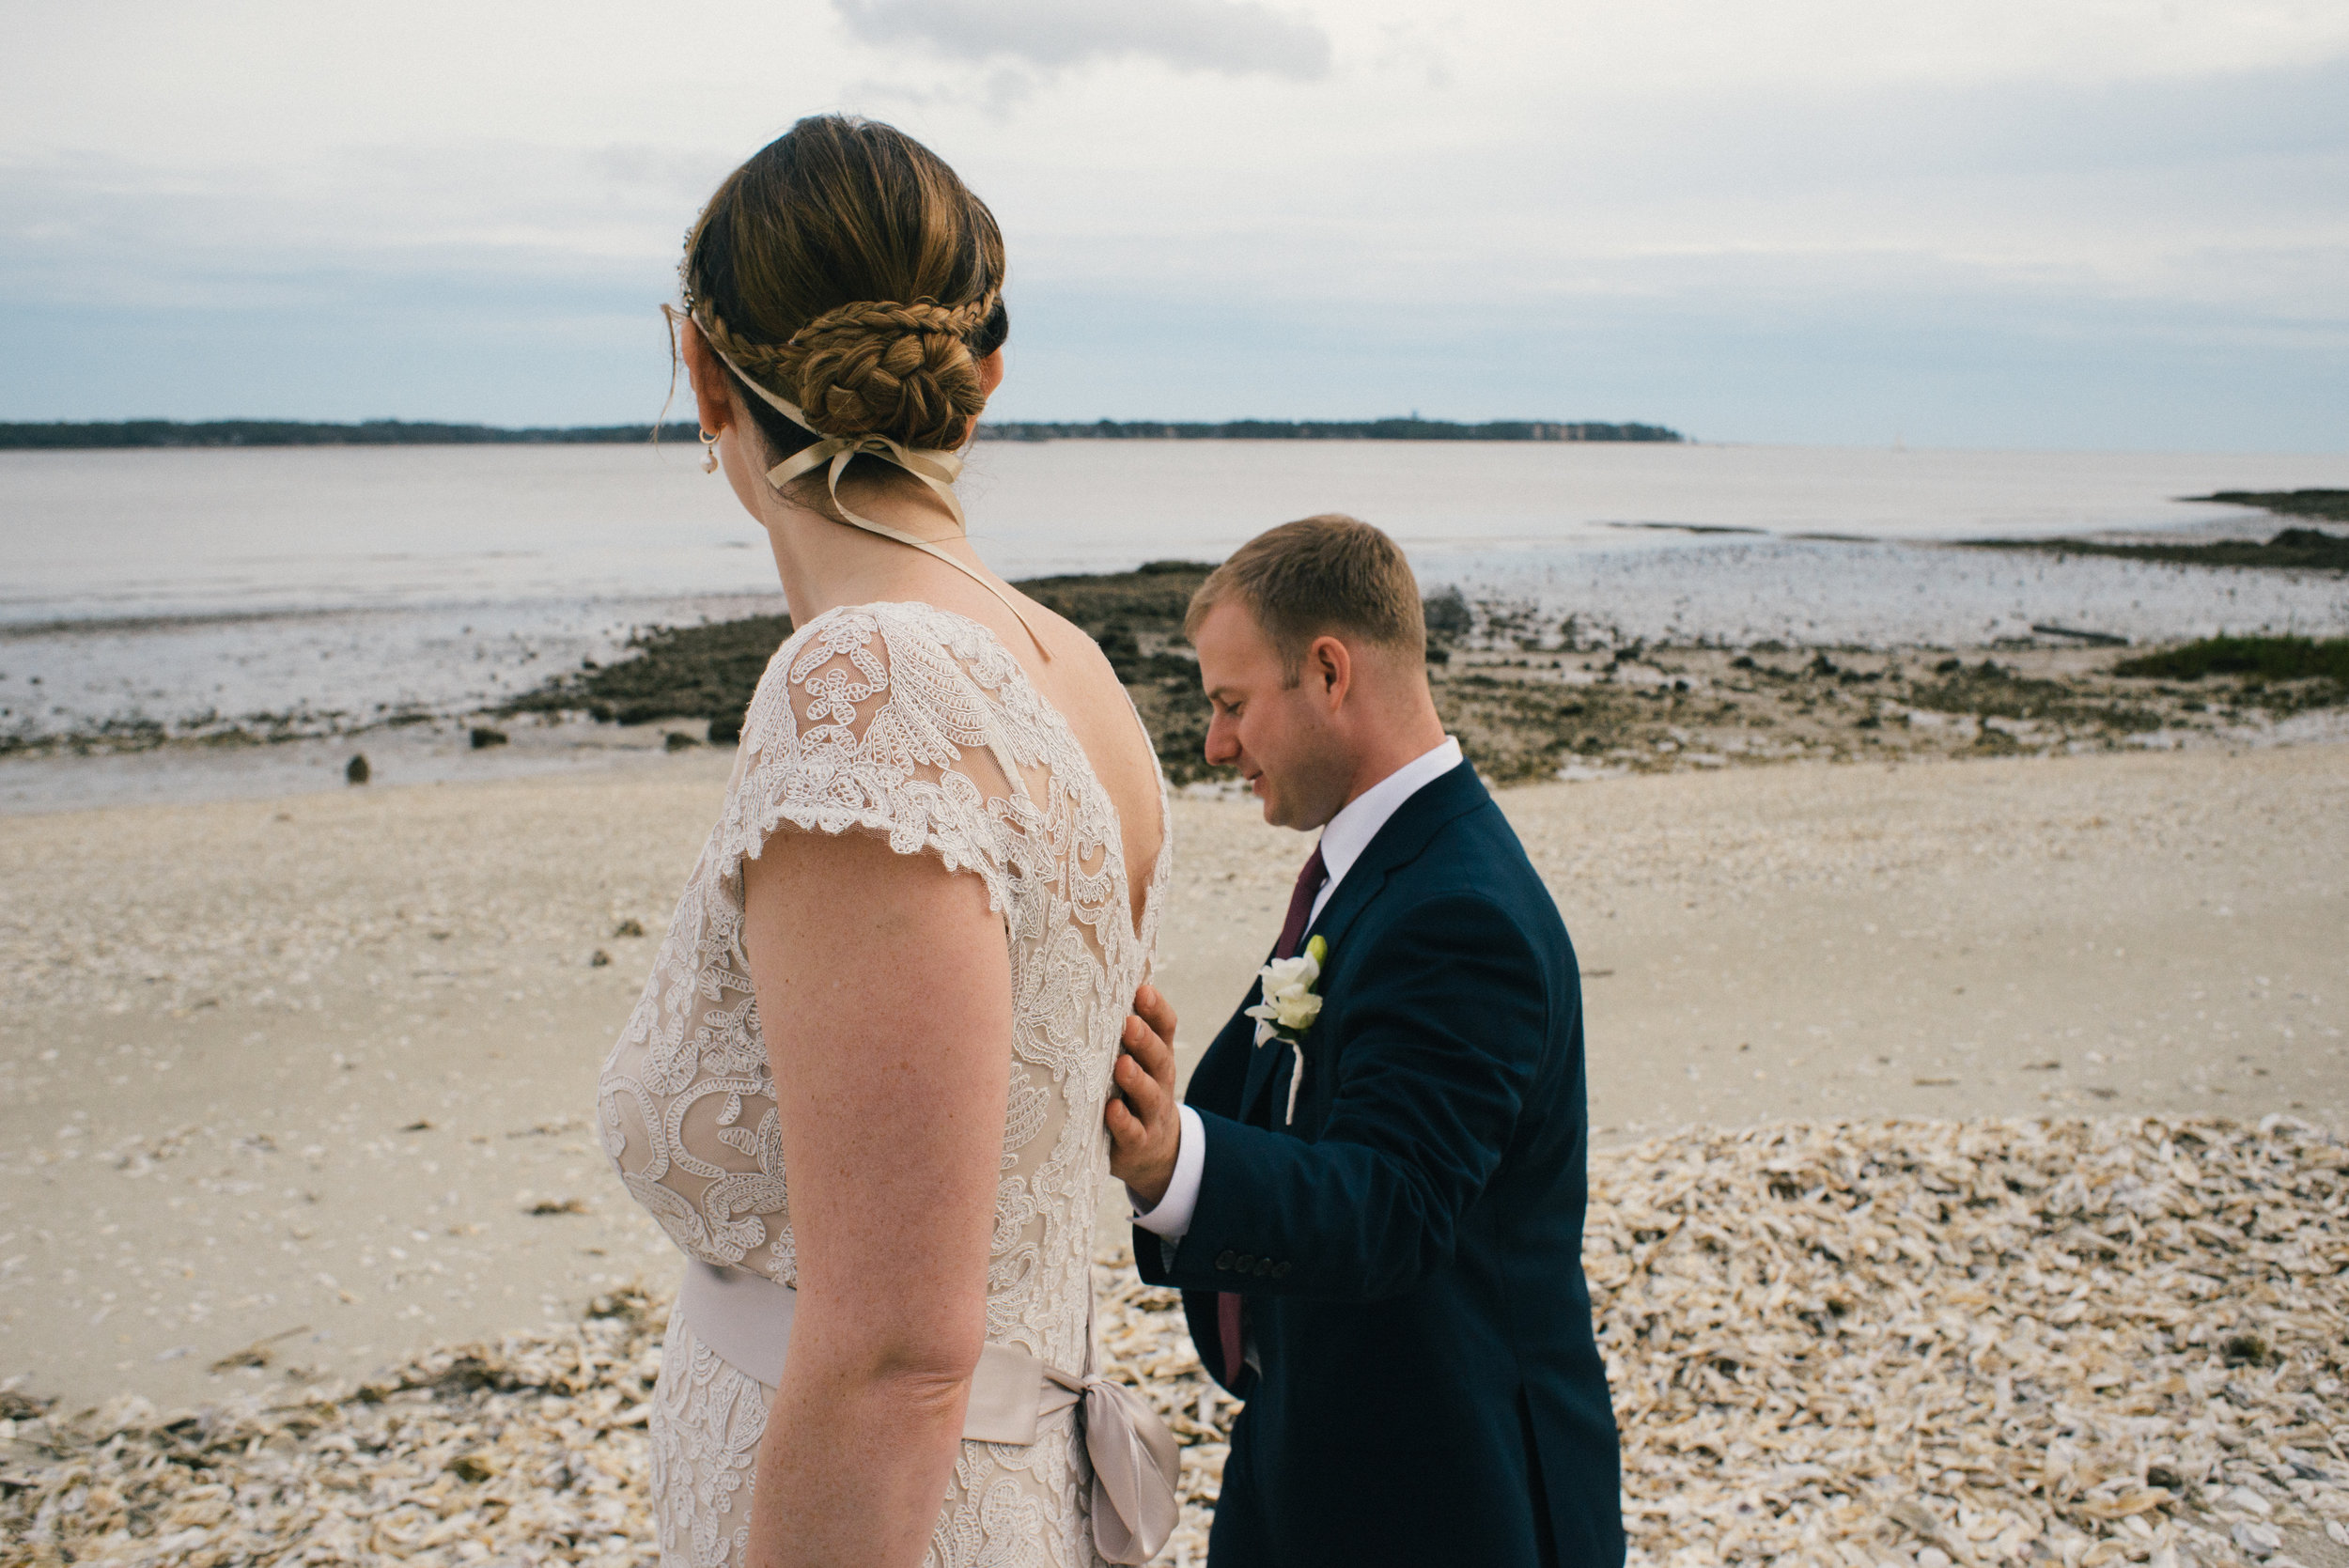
{"x":863,"y":1089}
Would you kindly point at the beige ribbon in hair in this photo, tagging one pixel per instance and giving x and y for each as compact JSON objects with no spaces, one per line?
{"x":935,"y":469}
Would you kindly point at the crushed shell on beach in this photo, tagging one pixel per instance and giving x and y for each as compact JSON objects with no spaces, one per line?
{"x":2076,"y":1342}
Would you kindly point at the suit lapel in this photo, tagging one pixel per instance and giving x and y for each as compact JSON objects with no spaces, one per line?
{"x":1397,"y":843}
{"x":1261,"y":1059}
{"x":1218,"y":1083}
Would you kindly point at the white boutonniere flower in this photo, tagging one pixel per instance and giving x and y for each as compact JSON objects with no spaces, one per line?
{"x":1289,"y":1005}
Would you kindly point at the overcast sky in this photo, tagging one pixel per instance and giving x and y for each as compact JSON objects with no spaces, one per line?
{"x":1985,"y":223}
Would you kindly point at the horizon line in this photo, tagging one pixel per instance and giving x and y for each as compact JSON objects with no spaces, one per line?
{"x":57,"y":435}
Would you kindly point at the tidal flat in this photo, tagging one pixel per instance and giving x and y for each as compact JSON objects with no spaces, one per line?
{"x":1530,"y":698}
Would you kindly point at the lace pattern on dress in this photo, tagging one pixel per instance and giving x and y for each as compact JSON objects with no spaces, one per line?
{"x":914,"y":722}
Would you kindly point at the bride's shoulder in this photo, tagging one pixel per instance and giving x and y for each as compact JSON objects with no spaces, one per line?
{"x":859,"y":644}
{"x":835,"y":675}
{"x":841,"y":629}
{"x":863,"y":719}
{"x":842,"y":655}
{"x":887,"y":624}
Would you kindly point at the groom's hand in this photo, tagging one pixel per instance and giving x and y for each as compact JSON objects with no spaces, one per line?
{"x":1145,"y":1128}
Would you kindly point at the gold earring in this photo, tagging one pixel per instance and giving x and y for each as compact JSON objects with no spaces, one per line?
{"x":709,"y":452}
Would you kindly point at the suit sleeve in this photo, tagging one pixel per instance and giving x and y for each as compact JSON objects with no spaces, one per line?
{"x":1445,"y":1027}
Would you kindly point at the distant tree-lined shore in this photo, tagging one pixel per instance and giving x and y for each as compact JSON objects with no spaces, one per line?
{"x":1330,"y":429}
{"x":295,"y":432}
{"x":61,"y":436}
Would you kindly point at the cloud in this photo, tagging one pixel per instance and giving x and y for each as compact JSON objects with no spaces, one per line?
{"x":1235,"y":38}
{"x":110,"y":230}
{"x":2112,"y":224}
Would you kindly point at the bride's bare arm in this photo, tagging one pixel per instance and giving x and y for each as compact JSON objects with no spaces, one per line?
{"x":884,"y":993}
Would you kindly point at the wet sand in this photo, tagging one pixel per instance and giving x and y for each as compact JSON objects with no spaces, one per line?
{"x":317,"y":1071}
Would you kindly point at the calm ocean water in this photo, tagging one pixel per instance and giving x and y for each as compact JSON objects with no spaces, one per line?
{"x":109,"y":535}
{"x":335,"y":586}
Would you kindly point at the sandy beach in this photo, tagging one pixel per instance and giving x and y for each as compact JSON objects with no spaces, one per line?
{"x":314,"y":1074}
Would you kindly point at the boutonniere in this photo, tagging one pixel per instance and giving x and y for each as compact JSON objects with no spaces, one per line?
{"x":1290,"y":1005}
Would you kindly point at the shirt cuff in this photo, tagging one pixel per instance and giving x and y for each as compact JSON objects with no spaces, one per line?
{"x":1172,"y":1217}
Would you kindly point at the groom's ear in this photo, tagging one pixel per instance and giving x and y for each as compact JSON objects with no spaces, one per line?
{"x":1328,"y":670}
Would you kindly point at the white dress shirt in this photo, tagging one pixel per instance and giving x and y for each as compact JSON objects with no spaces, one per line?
{"x":1343,"y":841}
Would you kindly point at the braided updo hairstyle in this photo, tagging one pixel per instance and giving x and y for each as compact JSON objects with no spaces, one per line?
{"x":849,"y":268}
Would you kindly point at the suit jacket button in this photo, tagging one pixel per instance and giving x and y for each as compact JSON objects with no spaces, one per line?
{"x":1264,"y":1266}
{"x":1245,"y":1261}
{"x":1223,"y":1259}
{"x":1280,"y":1269}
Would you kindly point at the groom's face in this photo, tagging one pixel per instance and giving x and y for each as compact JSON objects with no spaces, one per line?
{"x":1281,"y":736}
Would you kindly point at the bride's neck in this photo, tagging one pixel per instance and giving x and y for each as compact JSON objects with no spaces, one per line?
{"x":825,"y":563}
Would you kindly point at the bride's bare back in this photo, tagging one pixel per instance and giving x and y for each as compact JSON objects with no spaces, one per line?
{"x":1079,"y":682}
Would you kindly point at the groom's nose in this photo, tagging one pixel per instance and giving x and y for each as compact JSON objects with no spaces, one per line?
{"x":1222,"y":747}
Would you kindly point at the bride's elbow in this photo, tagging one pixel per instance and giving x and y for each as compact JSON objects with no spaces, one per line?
{"x":918,"y":1367}
{"x":929,"y":1376}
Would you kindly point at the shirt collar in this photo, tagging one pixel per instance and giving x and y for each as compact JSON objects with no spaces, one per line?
{"x":1351,"y":832}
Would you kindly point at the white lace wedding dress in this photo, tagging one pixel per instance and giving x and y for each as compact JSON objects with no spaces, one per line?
{"x":913,"y":721}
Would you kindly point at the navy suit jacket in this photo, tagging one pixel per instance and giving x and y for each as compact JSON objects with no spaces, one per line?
{"x":1410,"y":1247}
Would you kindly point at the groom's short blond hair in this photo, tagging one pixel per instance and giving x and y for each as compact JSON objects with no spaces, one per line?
{"x":1327,"y":576}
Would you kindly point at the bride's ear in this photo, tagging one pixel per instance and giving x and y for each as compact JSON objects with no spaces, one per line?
{"x":712,"y":399}
{"x":991,"y":371}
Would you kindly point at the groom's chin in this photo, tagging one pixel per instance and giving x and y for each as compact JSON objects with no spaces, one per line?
{"x":1275,"y":812}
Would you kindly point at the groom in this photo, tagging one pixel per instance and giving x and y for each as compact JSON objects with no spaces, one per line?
{"x":1374,"y":1209}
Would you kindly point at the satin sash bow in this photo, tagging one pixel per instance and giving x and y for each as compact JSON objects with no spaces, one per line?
{"x":937,"y":469}
{"x":1135,"y":1464}
{"x":745,"y":1320}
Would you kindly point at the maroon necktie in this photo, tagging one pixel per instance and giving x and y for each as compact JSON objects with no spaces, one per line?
{"x":1227,"y":1303}
{"x":1302,"y":906}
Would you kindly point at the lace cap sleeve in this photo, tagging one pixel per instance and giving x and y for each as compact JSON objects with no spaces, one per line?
{"x":872,"y":721}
